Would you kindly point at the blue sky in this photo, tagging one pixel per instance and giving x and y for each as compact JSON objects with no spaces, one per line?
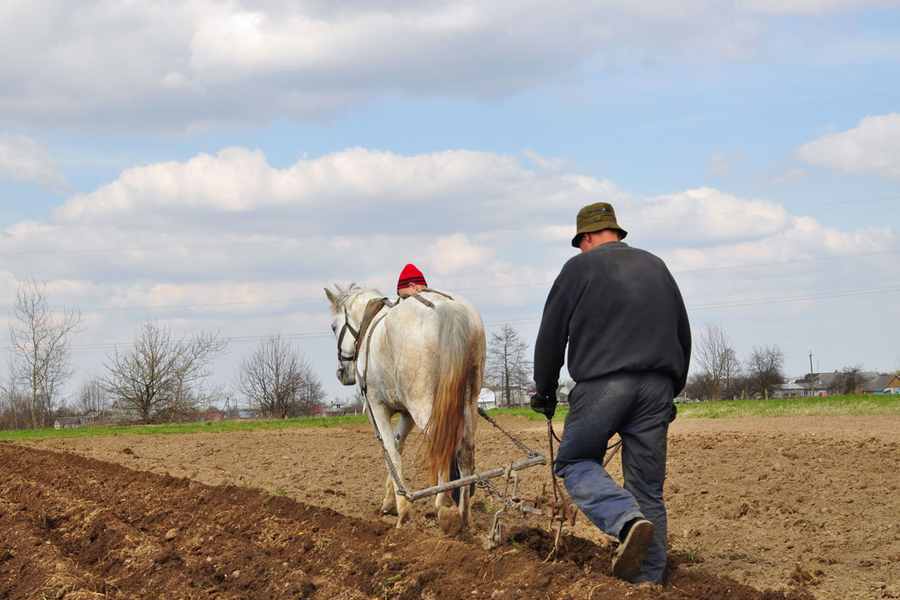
{"x":214,"y":154}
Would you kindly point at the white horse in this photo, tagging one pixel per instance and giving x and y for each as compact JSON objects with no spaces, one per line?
{"x":424,"y":360}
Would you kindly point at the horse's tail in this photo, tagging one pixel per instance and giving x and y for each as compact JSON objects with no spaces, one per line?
{"x":460,"y":364}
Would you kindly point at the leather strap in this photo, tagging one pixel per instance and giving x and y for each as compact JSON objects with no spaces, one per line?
{"x":365,"y":373}
{"x":373,"y":307}
{"x":424,"y":301}
{"x":447,"y":296}
{"x":428,"y":302}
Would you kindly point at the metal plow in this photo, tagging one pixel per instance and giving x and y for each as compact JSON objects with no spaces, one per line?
{"x":477,"y":478}
{"x":561,"y":511}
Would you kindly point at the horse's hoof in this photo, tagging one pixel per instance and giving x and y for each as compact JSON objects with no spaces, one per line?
{"x":402,"y":519}
{"x":403,"y":511}
{"x":443,"y":500}
{"x":449,"y":520}
{"x":389,"y":508}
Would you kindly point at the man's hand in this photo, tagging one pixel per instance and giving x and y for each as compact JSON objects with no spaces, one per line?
{"x":542,"y":404}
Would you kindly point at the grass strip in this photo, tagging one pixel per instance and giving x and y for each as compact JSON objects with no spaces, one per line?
{"x":866,"y":405}
{"x":181,"y":428}
{"x":857,"y":405}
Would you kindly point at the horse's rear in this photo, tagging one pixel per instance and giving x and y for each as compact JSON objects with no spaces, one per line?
{"x":425,"y":362}
{"x":459,"y":364}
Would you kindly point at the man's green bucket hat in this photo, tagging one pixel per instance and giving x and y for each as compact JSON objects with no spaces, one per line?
{"x":595,"y":217}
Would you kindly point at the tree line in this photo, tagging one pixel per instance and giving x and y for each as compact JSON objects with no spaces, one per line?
{"x":163,"y":377}
{"x":719,"y":373}
{"x":160,"y":377}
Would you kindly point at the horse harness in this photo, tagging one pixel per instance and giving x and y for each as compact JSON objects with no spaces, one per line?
{"x":372,"y":316}
{"x":372,"y":309}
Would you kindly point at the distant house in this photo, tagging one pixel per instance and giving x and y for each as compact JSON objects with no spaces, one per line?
{"x":519,"y":395}
{"x":877,"y":384}
{"x":563,"y":391}
{"x":487,"y":399}
{"x":809,"y":386}
{"x":791,"y":389}
{"x":824,"y":384}
{"x":68,"y":422}
{"x":335,"y":410}
{"x":893,"y":386}
{"x":248,"y":413}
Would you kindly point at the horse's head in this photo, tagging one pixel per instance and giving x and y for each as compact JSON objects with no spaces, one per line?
{"x":345,"y":332}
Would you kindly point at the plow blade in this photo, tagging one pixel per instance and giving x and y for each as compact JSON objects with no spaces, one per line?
{"x":531,"y":461}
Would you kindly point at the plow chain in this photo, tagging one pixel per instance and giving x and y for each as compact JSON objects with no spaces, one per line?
{"x":562,"y":511}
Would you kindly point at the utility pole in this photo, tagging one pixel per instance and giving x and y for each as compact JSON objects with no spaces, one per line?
{"x":810,"y":362}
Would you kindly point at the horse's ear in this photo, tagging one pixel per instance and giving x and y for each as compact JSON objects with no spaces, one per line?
{"x":331,"y":298}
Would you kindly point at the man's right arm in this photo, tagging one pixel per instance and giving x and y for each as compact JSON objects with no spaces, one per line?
{"x":550,"y":347}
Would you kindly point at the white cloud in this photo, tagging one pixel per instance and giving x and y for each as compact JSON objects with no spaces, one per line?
{"x":360,"y":214}
{"x":813,"y":6}
{"x":708,"y":215}
{"x":23,"y":159}
{"x":228,"y":242}
{"x":199,"y":62}
{"x":352,"y":191}
{"x":456,"y":253}
{"x":872,"y":147}
{"x":802,"y":239}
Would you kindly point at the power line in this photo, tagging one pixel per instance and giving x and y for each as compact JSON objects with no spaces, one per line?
{"x":495,"y":323}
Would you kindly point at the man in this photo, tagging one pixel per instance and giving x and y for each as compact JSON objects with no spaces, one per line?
{"x":624,"y":320}
{"x":411,"y":281}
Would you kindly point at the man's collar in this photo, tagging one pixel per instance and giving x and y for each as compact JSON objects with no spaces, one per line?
{"x":610,"y":245}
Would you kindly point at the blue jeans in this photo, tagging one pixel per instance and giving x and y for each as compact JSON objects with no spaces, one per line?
{"x":639,"y":407}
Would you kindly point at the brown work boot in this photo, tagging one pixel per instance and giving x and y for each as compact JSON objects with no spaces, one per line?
{"x":626,"y":562}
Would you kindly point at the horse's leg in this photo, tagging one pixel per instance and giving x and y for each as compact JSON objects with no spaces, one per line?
{"x":465,"y":459}
{"x":442,"y":499}
{"x":382,"y":418}
{"x":401,"y":431}
{"x":452,"y":519}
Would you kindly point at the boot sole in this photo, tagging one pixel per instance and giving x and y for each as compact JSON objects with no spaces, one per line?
{"x":627,"y":561}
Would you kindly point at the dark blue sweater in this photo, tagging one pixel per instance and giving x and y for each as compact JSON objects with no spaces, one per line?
{"x":619,"y":310}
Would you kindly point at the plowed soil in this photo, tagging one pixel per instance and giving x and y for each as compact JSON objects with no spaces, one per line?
{"x":797,"y":507}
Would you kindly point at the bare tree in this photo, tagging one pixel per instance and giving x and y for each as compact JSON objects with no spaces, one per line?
{"x":718,"y":360}
{"x":508,"y":367}
{"x":93,"y":399}
{"x":230,"y":408}
{"x":13,"y":404}
{"x":765,"y":370}
{"x":40,"y":343}
{"x":700,"y":387}
{"x":159,"y":377}
{"x":279,"y":382}
{"x":848,"y":381}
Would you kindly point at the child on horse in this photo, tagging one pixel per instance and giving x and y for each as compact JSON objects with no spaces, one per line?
{"x":411,"y":281}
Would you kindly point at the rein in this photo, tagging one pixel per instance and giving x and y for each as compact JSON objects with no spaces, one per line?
{"x":347,"y":327}
{"x":369,"y":322}
{"x":373,"y":307}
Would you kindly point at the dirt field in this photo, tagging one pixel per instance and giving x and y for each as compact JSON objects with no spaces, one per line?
{"x":806,"y":507}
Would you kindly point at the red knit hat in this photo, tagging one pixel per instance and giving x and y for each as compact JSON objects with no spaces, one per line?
{"x":410,"y":275}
